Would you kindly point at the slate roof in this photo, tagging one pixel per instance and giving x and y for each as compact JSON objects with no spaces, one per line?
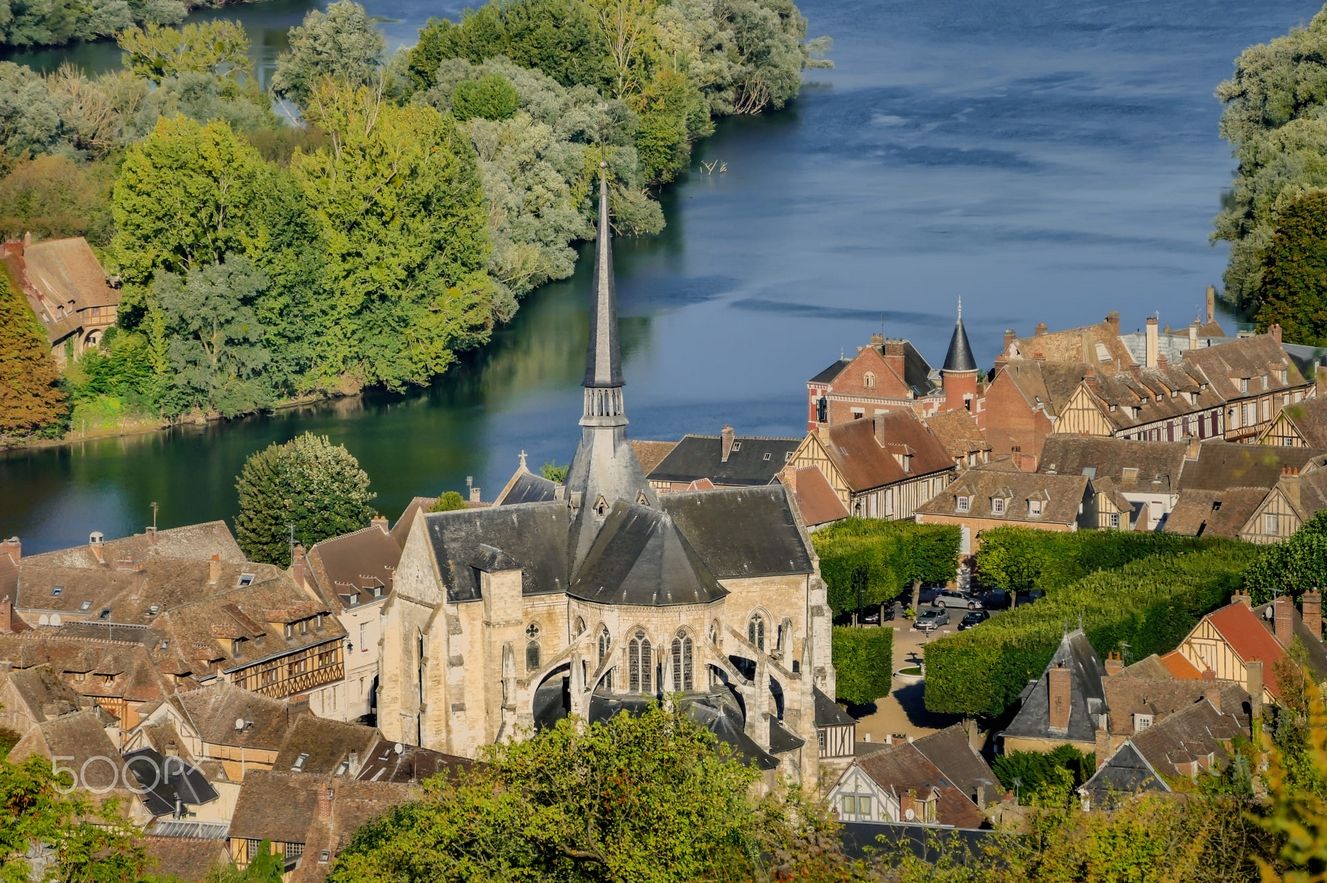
{"x":816,"y":500}
{"x":348,"y":568}
{"x":862,"y":840}
{"x":828,"y":374}
{"x":716,"y":711}
{"x":167,"y":783}
{"x":1139,"y":466}
{"x":526,"y":487}
{"x":1061,"y":496}
{"x":958,"y":432}
{"x":1314,"y":649}
{"x":903,"y":767}
{"x":529,"y":536}
{"x":409,"y":764}
{"x":1086,"y":696}
{"x":829,"y":713}
{"x":864,"y":451}
{"x":753,"y":460}
{"x":741,"y":532}
{"x":212,"y":711}
{"x":640,"y":559}
{"x":952,"y":753}
{"x":650,"y":453}
{"x":959,"y":355}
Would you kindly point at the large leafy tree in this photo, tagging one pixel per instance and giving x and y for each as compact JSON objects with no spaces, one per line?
{"x":51,"y":196}
{"x":216,"y":352}
{"x":1290,"y":568}
{"x":217,"y":48}
{"x":643,"y":798}
{"x":341,"y":43}
{"x":398,"y":205}
{"x":29,"y":117}
{"x":307,"y":485}
{"x":1293,"y":287}
{"x":85,"y":842}
{"x":30,"y":398}
{"x":864,"y":663}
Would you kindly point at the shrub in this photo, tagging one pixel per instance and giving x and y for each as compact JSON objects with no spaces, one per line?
{"x":864,"y":660}
{"x":1029,"y":772}
{"x":448,"y":502}
{"x":1291,"y":567}
{"x":1145,"y":607}
{"x":866,"y":562}
{"x":1019,"y":558}
{"x":490,"y":97}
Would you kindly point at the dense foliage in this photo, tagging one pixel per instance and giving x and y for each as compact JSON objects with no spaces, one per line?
{"x":643,"y":798}
{"x":868,"y":562}
{"x":449,"y":501}
{"x":54,"y":22}
{"x":1274,"y":119}
{"x":1144,"y":607}
{"x":1029,"y":774}
{"x":1019,"y":558}
{"x":307,"y":489}
{"x":1293,"y":292}
{"x":1291,"y":567}
{"x":863,"y":662}
{"x":30,"y":399}
{"x":85,"y":841}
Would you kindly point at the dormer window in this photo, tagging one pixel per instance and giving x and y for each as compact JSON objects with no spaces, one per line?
{"x":246,"y":580}
{"x":298,"y":766}
{"x":963,"y":503}
{"x":236,"y":646}
{"x":290,"y":630}
{"x":1141,"y":722}
{"x":1034,"y":507}
{"x":105,"y":614}
{"x":997,"y":505}
{"x":57,"y":591}
{"x":377,"y":591}
{"x":1244,"y":384}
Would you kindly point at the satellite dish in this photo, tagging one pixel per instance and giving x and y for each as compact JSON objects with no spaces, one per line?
{"x":398,"y":748}
{"x":910,"y":814}
{"x":239,"y":723}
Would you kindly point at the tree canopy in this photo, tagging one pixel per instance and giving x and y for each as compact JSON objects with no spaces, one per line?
{"x":30,"y":397}
{"x":341,"y":43}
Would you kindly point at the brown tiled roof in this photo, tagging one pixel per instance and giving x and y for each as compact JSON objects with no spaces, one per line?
{"x":903,"y":768}
{"x":1189,"y":735}
{"x":401,"y":529}
{"x":1046,"y":384}
{"x":199,"y":541}
{"x":1221,"y":465}
{"x":324,"y":745}
{"x":651,"y":453}
{"x":43,"y":692}
{"x":1253,"y":358}
{"x":60,"y":277}
{"x":1140,"y":396}
{"x":958,"y":432}
{"x":407,"y":764}
{"x":953,"y":755}
{"x":1097,"y":345}
{"x":1061,"y":496}
{"x":1131,"y":465}
{"x":1220,"y":513}
{"x":213,"y":711}
{"x":815,"y":498}
{"x":135,"y":677}
{"x":187,"y":859}
{"x":1309,"y":417}
{"x":348,"y":569}
{"x":81,"y":743}
{"x":864,"y":450}
{"x":1128,"y":694}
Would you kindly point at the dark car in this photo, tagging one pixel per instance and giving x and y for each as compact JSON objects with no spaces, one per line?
{"x":995,"y":599}
{"x":932,"y":619}
{"x":974,"y":617}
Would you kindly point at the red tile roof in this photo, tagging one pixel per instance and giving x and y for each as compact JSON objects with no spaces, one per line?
{"x":1249,"y":639}
{"x":1180,"y":667}
{"x":816,"y":500}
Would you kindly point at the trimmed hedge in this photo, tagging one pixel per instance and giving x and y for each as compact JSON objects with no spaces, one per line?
{"x":864,"y":660}
{"x":882,"y":558}
{"x":1145,"y":607}
{"x":1018,"y":558}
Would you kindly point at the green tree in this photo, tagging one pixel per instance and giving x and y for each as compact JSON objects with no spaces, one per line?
{"x":399,"y":208}
{"x":864,"y":662}
{"x":1292,"y":289}
{"x":341,"y":43}
{"x":449,"y":501}
{"x":216,"y":352}
{"x":217,"y":48}
{"x":1029,"y":773}
{"x":554,"y":471}
{"x":644,"y":798}
{"x":86,"y":842}
{"x":29,"y":117}
{"x":307,"y":485}
{"x":488,"y":97}
{"x":1291,"y":567}
{"x":51,"y":197}
{"x":30,"y":397}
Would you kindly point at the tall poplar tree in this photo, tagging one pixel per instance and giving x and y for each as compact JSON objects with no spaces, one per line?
{"x":30,"y":397}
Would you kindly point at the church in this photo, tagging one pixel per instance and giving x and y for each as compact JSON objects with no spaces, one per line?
{"x":600,"y":596}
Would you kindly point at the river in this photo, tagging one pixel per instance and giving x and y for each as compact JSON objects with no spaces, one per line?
{"x":1045,"y":160}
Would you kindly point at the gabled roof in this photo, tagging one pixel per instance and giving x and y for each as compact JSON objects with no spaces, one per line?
{"x":1194,"y":734}
{"x":531,"y":537}
{"x":319,"y":746}
{"x":189,"y":859}
{"x":401,"y":530}
{"x":167,"y":784}
{"x":1246,"y":635}
{"x":350,"y":567}
{"x":43,"y":692}
{"x":526,"y":487}
{"x":1213,"y":513}
{"x":958,"y":432}
{"x":816,"y":500}
{"x":80,"y":743}
{"x":1255,"y":359}
{"x":60,"y":277}
{"x":1140,"y":466}
{"x":867,"y":452}
{"x":1045,"y":385}
{"x":650,"y":453}
{"x":640,"y":559}
{"x":952,"y":753}
{"x":1224,"y":465}
{"x":133,"y":674}
{"x":752,"y":460}
{"x":903,"y":767}
{"x":196,"y":541}
{"x":1086,"y":695}
{"x":1309,"y":417}
{"x":214,"y":712}
{"x":1131,"y":693}
{"x":741,"y":532}
{"x":1061,"y":496}
{"x":1096,"y":345}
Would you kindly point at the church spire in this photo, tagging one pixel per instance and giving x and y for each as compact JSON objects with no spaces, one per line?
{"x":959,"y":357}
{"x":603,"y":362}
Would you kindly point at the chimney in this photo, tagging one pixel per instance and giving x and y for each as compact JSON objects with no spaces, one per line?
{"x":1057,"y":685}
{"x":1162,"y":361}
{"x":1040,"y":329}
{"x":1213,"y":695}
{"x":299,"y":566}
{"x":1193,"y":335}
{"x":877,"y":341}
{"x":1283,"y":623}
{"x":380,"y":522}
{"x":1150,"y":354}
{"x":325,"y":798}
{"x":151,"y":532}
{"x":1009,"y":337}
{"x":13,"y":547}
{"x":1253,"y":683}
{"x":1312,"y":611}
{"x":1113,"y":320}
{"x":1114,"y":664}
{"x":474,"y":493}
{"x":214,"y":571}
{"x":726,"y":437}
{"x":980,"y":797}
{"x":1274,"y":331}
{"x":1241,"y":597}
{"x":894,"y":356}
{"x":6,"y":616}
{"x":788,"y":478}
{"x":1211,"y":303}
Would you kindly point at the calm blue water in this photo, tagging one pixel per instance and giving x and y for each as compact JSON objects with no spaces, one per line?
{"x":1043,"y":160}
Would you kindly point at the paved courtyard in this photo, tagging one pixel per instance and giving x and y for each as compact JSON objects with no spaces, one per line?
{"x":902,"y":711}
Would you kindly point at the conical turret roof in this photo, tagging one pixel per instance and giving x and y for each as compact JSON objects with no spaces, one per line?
{"x":959,"y":357}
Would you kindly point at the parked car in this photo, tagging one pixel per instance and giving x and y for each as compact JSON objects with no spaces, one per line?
{"x":995,"y":599}
{"x":973,"y":617}
{"x":932,"y":619}
{"x":951,"y":598}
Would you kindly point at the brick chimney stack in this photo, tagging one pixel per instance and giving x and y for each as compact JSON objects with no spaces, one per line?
{"x":1150,"y":353}
{"x":1114,"y":664}
{"x":6,"y":615}
{"x":299,"y":566}
{"x":1193,"y":335}
{"x":788,"y":478}
{"x":894,"y":356}
{"x":474,"y":494}
{"x":326,"y":796}
{"x":1274,"y":332}
{"x":1312,"y":611}
{"x":1041,"y":329}
{"x":726,"y":438}
{"x":1057,"y":686}
{"x":1283,"y":612}
{"x":214,"y":571}
{"x":1253,"y":683}
{"x":1211,"y":303}
{"x":1009,"y":337}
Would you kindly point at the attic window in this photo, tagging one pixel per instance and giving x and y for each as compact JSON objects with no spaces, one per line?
{"x":1141,"y":722}
{"x":869,"y":380}
{"x":1244,"y":384}
{"x":289,"y":630}
{"x":319,"y":625}
{"x":788,"y":456}
{"x":236,"y":646}
{"x":246,"y":580}
{"x":85,"y":605}
{"x":997,"y":505}
{"x":324,"y":857}
{"x":57,"y":591}
{"x":1034,"y":507}
{"x":962,"y":503}
{"x":737,"y":446}
{"x":298,"y":766}
{"x":377,"y":591}
{"x":154,"y":610}
{"x":766,"y":457}
{"x":105,"y":614}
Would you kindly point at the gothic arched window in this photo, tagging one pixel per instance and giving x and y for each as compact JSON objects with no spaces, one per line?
{"x":755,"y":631}
{"x":532,"y":656}
{"x":640,"y":663}
{"x":578,"y":627}
{"x":682,"y":677}
{"x":869,"y":380}
{"x":605,"y":644}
